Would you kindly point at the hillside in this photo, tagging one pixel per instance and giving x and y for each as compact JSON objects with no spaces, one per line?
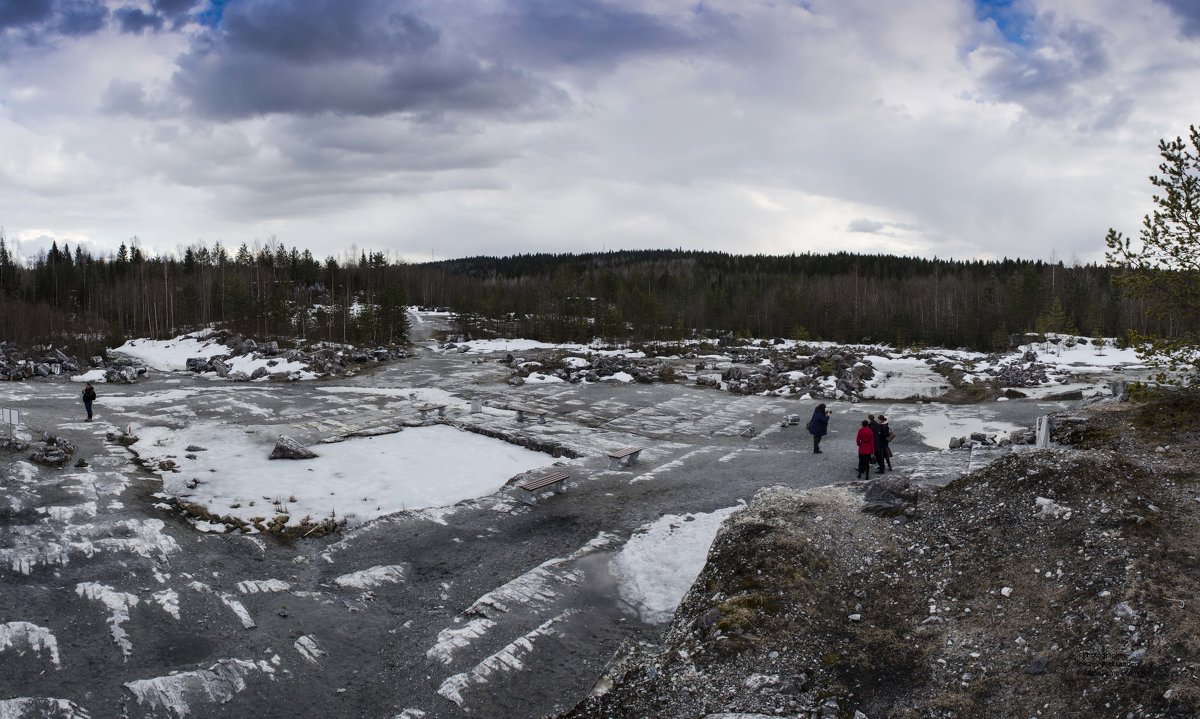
{"x":1051,"y":583}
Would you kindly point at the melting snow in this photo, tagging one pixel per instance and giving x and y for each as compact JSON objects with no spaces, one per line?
{"x":373,"y":476}
{"x":373,"y":577}
{"x":41,"y":707}
{"x":507,"y":659}
{"x":309,"y":649}
{"x":219,"y":683}
{"x":37,"y":638}
{"x":263,"y":586}
{"x":118,"y":605}
{"x":657,"y":566}
{"x":451,"y":640}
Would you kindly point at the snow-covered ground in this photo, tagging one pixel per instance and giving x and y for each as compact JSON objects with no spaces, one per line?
{"x":358,"y":479}
{"x":172,"y":356}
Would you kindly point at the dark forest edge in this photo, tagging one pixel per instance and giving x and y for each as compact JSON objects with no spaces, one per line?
{"x":72,"y":299}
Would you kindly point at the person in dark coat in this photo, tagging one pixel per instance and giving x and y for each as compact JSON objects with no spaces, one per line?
{"x":883,"y":437}
{"x":89,"y":396}
{"x":866,"y":448}
{"x":875,"y":427}
{"x":818,"y":426}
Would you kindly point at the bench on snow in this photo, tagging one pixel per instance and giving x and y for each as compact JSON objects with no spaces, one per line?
{"x":619,"y":458}
{"x":555,"y":481}
{"x":425,"y":409}
{"x":522,"y":411}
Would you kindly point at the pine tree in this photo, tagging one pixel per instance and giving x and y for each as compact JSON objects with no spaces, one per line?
{"x":1163,"y":266}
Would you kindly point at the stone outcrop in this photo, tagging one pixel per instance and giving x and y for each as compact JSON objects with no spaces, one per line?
{"x":289,"y":448}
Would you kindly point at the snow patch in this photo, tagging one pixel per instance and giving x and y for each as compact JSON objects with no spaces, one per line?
{"x":219,"y":683}
{"x":451,"y":640}
{"x":263,"y":586}
{"x":168,"y":599}
{"x":39,"y":639}
{"x":309,"y":649}
{"x":537,"y":586}
{"x":373,"y":577}
{"x":507,"y":659}
{"x":118,"y":605}
{"x":658,"y":564}
{"x":42,"y":708}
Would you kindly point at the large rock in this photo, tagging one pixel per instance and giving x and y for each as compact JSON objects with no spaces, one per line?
{"x":890,"y":496}
{"x":288,"y":448}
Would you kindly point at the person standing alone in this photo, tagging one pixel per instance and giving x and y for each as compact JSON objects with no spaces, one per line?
{"x":818,"y":426}
{"x":89,"y":396}
{"x":866,"y":448}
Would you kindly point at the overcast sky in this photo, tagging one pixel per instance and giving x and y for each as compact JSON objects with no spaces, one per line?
{"x":427,"y":128}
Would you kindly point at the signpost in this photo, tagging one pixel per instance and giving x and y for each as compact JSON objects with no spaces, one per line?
{"x":11,"y":419}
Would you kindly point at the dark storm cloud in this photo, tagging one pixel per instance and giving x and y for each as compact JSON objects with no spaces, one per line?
{"x":21,"y":13}
{"x":36,"y":22}
{"x":80,"y":17}
{"x":173,"y":8}
{"x":1188,"y":12}
{"x":136,"y":21}
{"x":356,"y":57}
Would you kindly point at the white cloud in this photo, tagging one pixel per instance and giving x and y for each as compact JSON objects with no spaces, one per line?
{"x":743,"y":126}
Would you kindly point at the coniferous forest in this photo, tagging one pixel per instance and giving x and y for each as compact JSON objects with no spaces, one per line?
{"x":70,"y":298}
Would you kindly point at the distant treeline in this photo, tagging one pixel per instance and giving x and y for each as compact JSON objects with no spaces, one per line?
{"x":69,"y":297}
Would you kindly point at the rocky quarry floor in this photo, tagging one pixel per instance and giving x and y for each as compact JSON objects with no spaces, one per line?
{"x":1049,"y":583}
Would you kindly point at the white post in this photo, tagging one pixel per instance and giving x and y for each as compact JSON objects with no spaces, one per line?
{"x":1043,"y":432}
{"x":476,"y":405}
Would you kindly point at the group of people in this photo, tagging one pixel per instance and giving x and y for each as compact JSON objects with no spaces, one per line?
{"x":873,"y":439}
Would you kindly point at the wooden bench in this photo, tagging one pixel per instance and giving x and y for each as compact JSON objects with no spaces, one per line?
{"x":619,"y":458}
{"x":522,"y":411}
{"x":555,"y":481}
{"x":425,"y":409}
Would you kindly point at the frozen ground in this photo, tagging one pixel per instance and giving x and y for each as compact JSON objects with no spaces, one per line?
{"x":358,"y":479}
{"x":446,"y":596}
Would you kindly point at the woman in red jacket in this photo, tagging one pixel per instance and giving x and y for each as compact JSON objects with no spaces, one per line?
{"x":866,"y":449}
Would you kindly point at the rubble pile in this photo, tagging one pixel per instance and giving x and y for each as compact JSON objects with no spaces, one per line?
{"x":52,"y":451}
{"x":323,"y":359}
{"x":17,"y":363}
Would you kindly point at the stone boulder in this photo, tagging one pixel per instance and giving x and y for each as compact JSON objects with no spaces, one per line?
{"x":890,"y":496}
{"x":288,"y":448}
